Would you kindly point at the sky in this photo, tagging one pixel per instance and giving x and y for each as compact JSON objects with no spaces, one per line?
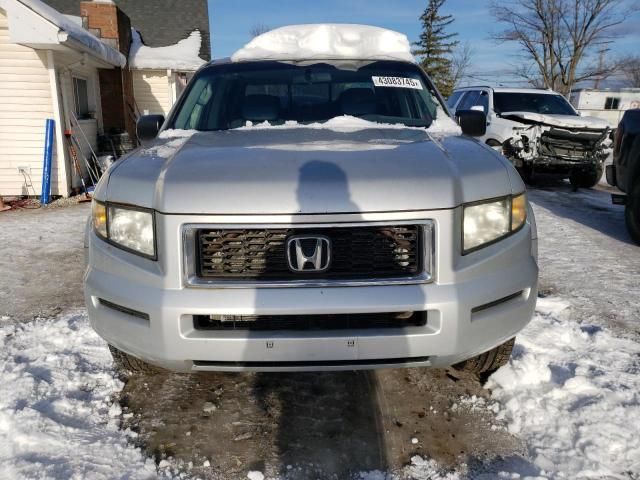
{"x":231,"y":22}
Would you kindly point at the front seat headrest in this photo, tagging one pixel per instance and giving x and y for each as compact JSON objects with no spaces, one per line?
{"x":260,"y":108}
{"x":358,"y":101}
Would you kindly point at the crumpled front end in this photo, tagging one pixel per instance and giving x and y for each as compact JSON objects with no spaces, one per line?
{"x":555,"y":148}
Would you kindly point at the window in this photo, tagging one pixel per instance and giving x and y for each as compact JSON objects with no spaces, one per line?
{"x":545,"y":103}
{"x":483,"y":101}
{"x":80,"y":97}
{"x":469,"y":100}
{"x":612,"y":103}
{"x":451,"y":101}
{"x":231,"y":95}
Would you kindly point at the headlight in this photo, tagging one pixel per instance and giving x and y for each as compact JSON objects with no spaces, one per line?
{"x":487,"y":222}
{"x":130,"y":228}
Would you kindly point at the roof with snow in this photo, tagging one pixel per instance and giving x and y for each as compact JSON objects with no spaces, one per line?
{"x":329,"y":41}
{"x":36,"y":24}
{"x":160,"y":22}
{"x":180,"y":56}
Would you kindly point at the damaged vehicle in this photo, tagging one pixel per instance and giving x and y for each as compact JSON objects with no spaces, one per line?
{"x":310,"y":204}
{"x":539,"y":131}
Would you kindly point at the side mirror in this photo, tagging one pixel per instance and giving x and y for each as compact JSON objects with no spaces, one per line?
{"x":148,"y":126}
{"x":472,"y":122}
{"x":478,"y":108}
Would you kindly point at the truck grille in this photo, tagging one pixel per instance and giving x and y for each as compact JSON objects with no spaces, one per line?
{"x":572,"y":145}
{"x":369,"y":252}
{"x":357,"y":321}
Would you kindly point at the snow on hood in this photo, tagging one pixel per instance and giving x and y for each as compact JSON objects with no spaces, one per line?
{"x":180,"y":56}
{"x":443,"y":125}
{"x":76,"y":32}
{"x":328,"y":41}
{"x":568,"y":121}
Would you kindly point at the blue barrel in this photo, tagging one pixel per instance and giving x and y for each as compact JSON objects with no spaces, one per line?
{"x":46,"y":169}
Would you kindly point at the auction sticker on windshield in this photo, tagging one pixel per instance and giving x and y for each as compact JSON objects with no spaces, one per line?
{"x":398,"y":82}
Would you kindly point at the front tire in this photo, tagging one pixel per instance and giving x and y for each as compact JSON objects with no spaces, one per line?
{"x":632,"y":212}
{"x":488,"y":362}
{"x":586,"y":178}
{"x":128,"y":364}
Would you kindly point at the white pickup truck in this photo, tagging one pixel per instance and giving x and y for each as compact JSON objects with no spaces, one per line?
{"x":539,"y":131}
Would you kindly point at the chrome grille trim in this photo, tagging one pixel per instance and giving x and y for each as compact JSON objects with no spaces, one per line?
{"x":189,"y":257}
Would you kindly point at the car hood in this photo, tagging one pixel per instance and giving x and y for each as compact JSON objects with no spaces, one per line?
{"x":305,"y":170}
{"x":565,"y":121}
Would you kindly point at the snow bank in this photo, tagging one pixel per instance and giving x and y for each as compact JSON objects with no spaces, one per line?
{"x":183,"y":55}
{"x":572,"y":392}
{"x":57,"y":419}
{"x":325,"y":42}
{"x":102,"y":50}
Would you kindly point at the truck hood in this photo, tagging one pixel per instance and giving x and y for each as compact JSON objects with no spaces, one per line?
{"x":306,"y":170}
{"x":564,"y":121}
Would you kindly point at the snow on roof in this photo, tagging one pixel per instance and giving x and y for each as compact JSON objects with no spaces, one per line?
{"x":76,"y":32}
{"x":328,"y":41}
{"x":179,"y":56}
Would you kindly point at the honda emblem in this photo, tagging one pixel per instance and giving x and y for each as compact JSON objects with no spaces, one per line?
{"x":309,"y":253}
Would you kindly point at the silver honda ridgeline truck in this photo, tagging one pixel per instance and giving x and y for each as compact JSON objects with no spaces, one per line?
{"x":310,"y":215}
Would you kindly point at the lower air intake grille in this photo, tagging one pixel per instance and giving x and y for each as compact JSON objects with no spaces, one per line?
{"x":310,"y":322}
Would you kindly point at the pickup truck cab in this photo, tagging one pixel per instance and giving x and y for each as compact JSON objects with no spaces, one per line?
{"x":310,"y":204}
{"x":624,"y":172}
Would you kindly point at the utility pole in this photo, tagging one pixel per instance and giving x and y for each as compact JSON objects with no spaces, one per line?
{"x":598,"y":79}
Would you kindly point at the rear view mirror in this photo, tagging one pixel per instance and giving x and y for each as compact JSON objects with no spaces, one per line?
{"x":148,"y":126}
{"x":472,"y":122}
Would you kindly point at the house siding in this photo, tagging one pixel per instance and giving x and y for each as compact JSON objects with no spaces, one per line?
{"x":152,"y":91}
{"x":25,"y":104}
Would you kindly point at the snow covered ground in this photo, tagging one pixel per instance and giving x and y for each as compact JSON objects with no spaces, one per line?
{"x":58,"y":405}
{"x":571,"y":391}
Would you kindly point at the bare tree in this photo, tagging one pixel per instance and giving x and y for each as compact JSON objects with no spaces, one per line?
{"x":558,"y":36}
{"x":460,"y":62}
{"x":259,"y":29}
{"x":630,"y":68}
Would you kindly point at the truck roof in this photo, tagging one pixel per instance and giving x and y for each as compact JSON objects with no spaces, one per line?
{"x":510,"y":89}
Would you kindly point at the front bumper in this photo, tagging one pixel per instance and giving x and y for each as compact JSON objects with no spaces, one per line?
{"x":470,"y":307}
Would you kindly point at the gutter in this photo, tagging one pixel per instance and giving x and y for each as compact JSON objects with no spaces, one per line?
{"x":68,"y":41}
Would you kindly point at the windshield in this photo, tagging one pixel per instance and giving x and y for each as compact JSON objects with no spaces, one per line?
{"x":228,"y":96}
{"x":532,"y":102}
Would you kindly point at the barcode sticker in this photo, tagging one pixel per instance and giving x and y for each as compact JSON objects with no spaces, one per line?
{"x":397,"y":82}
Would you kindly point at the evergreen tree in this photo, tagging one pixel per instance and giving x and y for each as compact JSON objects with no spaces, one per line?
{"x":435,"y":47}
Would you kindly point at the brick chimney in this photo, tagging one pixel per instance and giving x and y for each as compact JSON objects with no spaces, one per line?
{"x":106,"y":21}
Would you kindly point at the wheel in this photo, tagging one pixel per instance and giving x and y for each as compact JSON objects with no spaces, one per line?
{"x":488,"y":362}
{"x":129,"y":364}
{"x":586,"y":178}
{"x":632,"y":212}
